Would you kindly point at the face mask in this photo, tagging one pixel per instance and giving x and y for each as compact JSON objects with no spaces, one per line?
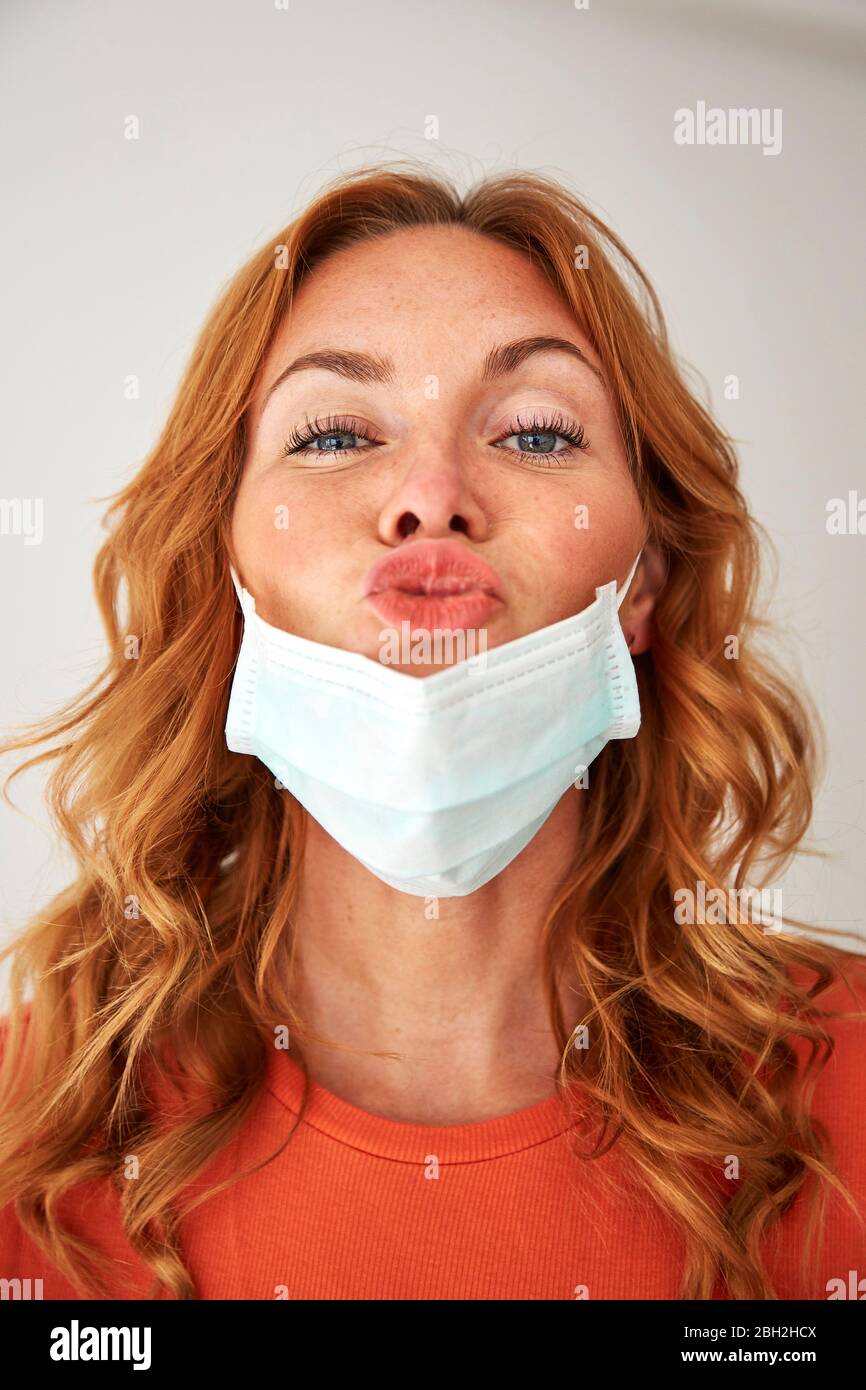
{"x":435,"y":783}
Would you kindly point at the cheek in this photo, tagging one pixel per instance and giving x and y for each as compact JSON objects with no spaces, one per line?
{"x":567,"y":561}
{"x":297,"y":510}
{"x":280,"y":536}
{"x":585,"y":536}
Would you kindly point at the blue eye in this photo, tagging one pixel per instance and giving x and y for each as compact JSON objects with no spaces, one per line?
{"x":541,"y":435}
{"x":302,"y":441}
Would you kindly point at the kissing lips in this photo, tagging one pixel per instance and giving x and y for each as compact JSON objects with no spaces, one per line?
{"x":433,"y":584}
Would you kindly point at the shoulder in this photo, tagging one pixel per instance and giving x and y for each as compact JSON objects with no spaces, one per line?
{"x":87,"y":1210}
{"x":838,"y":1100}
{"x":844,"y":1002}
{"x":837,"y":1106}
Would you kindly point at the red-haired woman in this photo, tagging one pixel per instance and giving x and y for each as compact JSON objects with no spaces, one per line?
{"x":417,"y":948}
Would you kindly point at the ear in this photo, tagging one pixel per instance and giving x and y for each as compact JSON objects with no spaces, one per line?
{"x":638,"y":606}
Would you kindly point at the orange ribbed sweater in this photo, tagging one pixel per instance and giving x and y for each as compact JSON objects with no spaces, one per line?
{"x":361,"y":1207}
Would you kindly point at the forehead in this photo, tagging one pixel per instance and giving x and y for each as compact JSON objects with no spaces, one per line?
{"x":417,"y":293}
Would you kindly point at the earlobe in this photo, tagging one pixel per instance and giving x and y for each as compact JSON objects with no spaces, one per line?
{"x":641,"y":641}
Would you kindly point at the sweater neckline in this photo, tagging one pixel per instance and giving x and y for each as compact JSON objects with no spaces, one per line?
{"x":414,"y":1143}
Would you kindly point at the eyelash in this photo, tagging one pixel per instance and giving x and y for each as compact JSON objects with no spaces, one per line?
{"x":560,"y":425}
{"x":566,"y":429}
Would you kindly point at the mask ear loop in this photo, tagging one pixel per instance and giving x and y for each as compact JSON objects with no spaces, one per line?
{"x":245,"y":598}
{"x":624,"y":590}
{"x":627,"y":581}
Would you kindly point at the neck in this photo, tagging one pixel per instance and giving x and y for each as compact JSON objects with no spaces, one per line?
{"x":456,"y":1001}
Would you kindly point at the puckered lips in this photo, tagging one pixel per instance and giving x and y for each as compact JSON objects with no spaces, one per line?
{"x":433,"y":584}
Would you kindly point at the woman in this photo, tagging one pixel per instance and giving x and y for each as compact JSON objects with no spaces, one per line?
{"x":379,"y":978}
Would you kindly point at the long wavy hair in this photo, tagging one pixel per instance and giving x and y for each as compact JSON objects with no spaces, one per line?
{"x":171,"y":952}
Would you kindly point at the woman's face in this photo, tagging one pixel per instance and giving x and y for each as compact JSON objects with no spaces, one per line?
{"x":422,"y":444}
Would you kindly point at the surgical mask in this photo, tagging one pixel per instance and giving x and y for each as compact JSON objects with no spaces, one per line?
{"x":435,"y":783}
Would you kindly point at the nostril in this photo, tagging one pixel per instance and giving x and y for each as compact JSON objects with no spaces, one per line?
{"x":459,"y":523}
{"x":407,"y":524}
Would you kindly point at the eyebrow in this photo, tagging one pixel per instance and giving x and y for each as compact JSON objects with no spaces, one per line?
{"x":368,"y":367}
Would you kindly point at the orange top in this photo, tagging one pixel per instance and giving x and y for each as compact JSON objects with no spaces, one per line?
{"x":361,"y":1207}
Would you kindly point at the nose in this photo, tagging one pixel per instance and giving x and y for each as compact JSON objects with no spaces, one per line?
{"x":432,"y":499}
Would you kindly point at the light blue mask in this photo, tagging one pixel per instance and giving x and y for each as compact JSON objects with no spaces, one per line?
{"x":435,"y":783}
